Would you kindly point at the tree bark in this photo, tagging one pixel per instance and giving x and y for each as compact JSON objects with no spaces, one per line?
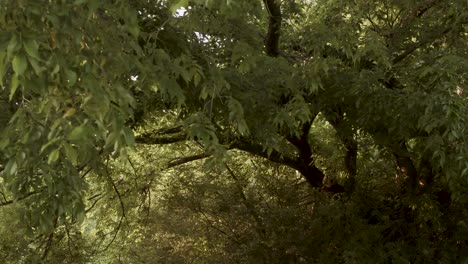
{"x":273,"y":8}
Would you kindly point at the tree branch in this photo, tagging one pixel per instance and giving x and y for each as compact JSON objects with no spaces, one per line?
{"x":258,"y":150}
{"x":413,"y":47}
{"x":261,"y":230}
{"x":167,"y":135}
{"x":406,"y":166}
{"x":122,"y":208}
{"x":273,"y":8}
{"x":183,"y":160}
{"x":307,"y":168}
{"x":152,"y":139}
{"x":346,"y":135}
{"x":21,"y":198}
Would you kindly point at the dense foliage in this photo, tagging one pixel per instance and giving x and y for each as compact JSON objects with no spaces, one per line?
{"x":247,"y":131}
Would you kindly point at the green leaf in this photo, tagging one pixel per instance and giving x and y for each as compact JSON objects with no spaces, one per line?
{"x":4,"y":142}
{"x":56,"y":69}
{"x":35,"y":65}
{"x":32,"y":48}
{"x":14,"y":86}
{"x":20,"y":64}
{"x":3,"y":65}
{"x":53,"y":156}
{"x":70,"y":111}
{"x":71,"y":77}
{"x":50,"y":143}
{"x":79,"y":2}
{"x":71,"y":154}
{"x":12,"y":46}
{"x":11,"y":167}
{"x":111,"y":139}
{"x":128,"y":135}
{"x":77,"y":133}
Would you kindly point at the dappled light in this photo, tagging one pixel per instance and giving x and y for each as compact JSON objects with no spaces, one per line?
{"x":233,"y":131}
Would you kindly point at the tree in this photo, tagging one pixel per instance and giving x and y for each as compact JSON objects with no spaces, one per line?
{"x":353,"y":95}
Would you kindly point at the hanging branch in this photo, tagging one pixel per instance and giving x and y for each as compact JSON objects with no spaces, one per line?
{"x":122,"y":207}
{"x":7,"y":202}
{"x":49,"y":241}
{"x":260,"y":225}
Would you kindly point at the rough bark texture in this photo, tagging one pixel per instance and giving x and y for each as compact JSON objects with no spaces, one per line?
{"x":274,"y":26}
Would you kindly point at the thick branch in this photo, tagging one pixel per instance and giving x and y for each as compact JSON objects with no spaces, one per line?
{"x":162,"y":136}
{"x":258,"y":150}
{"x":274,"y":26}
{"x":152,"y":139}
{"x":183,"y":160}
{"x":406,"y":166}
{"x":307,"y":168}
{"x":346,"y":135}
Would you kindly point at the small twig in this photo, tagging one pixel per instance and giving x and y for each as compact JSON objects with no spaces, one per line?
{"x":94,"y":203}
{"x":260,"y":226}
{"x":122,"y":207}
{"x":21,"y":198}
{"x":4,"y":197}
{"x":217,"y":228}
{"x":49,"y":241}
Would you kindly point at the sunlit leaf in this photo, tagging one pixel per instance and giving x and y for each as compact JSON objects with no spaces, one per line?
{"x":53,"y":156}
{"x":20,"y":64}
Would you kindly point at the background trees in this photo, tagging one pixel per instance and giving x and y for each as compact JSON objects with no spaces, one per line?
{"x":222,"y":131}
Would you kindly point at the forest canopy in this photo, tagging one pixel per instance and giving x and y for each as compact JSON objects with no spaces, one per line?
{"x":247,"y":131}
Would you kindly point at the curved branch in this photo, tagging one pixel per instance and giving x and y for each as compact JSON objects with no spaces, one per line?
{"x":261,"y":230}
{"x":258,"y":150}
{"x":345,"y":133}
{"x":307,"y":168}
{"x":122,"y":207}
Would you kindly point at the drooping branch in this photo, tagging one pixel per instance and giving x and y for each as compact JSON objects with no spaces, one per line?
{"x":250,"y":207}
{"x":220,"y":230}
{"x":49,"y":241}
{"x":122,"y":208}
{"x":273,"y":8}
